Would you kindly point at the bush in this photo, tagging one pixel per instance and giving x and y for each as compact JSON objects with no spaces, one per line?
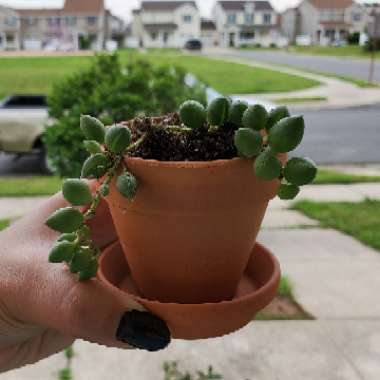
{"x":112,"y":92}
{"x":353,"y":38}
{"x":373,"y":44}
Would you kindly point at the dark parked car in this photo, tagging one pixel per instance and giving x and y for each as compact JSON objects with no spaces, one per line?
{"x":193,"y":44}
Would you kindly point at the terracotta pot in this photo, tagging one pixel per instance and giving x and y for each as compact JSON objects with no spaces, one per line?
{"x":256,"y":289}
{"x":189,"y":232}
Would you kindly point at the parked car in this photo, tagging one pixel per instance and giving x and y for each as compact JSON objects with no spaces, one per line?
{"x":23,"y":119}
{"x":193,"y":44}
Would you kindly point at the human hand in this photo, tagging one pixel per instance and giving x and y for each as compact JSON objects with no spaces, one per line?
{"x":43,"y":308}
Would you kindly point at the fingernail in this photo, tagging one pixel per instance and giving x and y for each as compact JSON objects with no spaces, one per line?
{"x":143,"y":330}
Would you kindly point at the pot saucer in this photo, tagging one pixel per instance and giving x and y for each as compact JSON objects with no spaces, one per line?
{"x":256,"y":290}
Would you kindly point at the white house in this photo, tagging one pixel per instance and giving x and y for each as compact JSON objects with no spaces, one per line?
{"x":325,"y":21}
{"x":245,"y":22}
{"x":209,"y":34}
{"x":10,"y":29}
{"x":159,"y":24}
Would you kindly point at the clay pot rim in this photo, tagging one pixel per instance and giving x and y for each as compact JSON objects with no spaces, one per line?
{"x":275,"y":278}
{"x":183,"y":164}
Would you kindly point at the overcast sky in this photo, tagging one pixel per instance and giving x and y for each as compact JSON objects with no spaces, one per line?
{"x":123,"y":8}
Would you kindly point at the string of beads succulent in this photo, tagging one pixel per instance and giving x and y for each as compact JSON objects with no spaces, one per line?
{"x":258,"y":135}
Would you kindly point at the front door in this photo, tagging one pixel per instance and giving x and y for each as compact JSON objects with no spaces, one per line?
{"x":232,"y":40}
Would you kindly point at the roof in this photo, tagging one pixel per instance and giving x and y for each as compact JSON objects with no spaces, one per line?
{"x":84,"y":6}
{"x":335,"y":24}
{"x":164,"y":5}
{"x":162,"y":26}
{"x":331,"y":4}
{"x":42,"y":12}
{"x":240,"y":5}
{"x":207,"y":24}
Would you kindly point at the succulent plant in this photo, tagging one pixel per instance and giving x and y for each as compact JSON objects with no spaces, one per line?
{"x":258,"y":136}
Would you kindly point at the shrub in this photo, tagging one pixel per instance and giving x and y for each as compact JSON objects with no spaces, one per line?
{"x":373,"y":44}
{"x":353,"y":38}
{"x":113,"y":92}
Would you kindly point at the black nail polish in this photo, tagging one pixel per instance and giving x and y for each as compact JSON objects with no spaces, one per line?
{"x":143,"y":330}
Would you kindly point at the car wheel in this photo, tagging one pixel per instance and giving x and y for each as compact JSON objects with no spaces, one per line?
{"x":45,"y":164}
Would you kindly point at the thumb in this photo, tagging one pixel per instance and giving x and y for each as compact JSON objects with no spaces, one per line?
{"x":94,"y":312}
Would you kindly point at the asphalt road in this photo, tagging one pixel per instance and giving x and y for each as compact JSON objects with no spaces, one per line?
{"x":346,"y":136}
{"x":349,"y":67}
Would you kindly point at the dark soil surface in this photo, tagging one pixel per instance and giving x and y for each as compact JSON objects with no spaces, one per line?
{"x":177,"y":143}
{"x":283,"y":308}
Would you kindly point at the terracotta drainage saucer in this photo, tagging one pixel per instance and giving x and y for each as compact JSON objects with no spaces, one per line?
{"x":256,"y":290}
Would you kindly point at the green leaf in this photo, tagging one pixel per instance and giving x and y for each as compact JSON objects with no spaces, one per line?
{"x":66,"y":220}
{"x":267,"y":166}
{"x":249,"y":143}
{"x":92,"y":146}
{"x":118,"y":139}
{"x":255,"y":117}
{"x":218,"y":111}
{"x":300,"y":171}
{"x":237,"y":110}
{"x":82,"y":260}
{"x":288,"y":191}
{"x":85,"y":232}
{"x":92,"y":128}
{"x":95,"y":166}
{"x":67,"y":237}
{"x":77,"y":192}
{"x":90,"y":271}
{"x":192,"y":114}
{"x":62,"y":251}
{"x":127,"y":185}
{"x":105,"y":189}
{"x":275,"y":115}
{"x":287,"y":134}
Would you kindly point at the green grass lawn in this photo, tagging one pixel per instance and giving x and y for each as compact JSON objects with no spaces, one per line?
{"x":4,"y":223}
{"x":29,"y":186}
{"x":309,"y":99}
{"x":37,"y":74}
{"x":326,"y":177}
{"x":342,"y":51}
{"x":360,"y":220}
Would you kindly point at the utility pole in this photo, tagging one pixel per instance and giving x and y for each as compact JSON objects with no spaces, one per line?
{"x":375,"y":35}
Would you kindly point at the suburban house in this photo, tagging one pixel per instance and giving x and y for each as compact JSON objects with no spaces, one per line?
{"x":80,"y":24}
{"x":10,"y":29}
{"x":324,"y":21}
{"x":245,"y":22}
{"x":209,"y":34}
{"x":159,"y":24}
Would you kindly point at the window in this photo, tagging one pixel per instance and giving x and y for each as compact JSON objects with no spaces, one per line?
{"x":267,"y":18}
{"x":153,"y":35}
{"x":11,"y":21}
{"x":92,"y":20}
{"x":54,"y":21}
{"x":249,"y":18}
{"x":10,"y":38}
{"x":231,"y":18}
{"x":31,"y":21}
{"x":187,"y":18}
{"x":70,"y":20}
{"x":356,"y":17}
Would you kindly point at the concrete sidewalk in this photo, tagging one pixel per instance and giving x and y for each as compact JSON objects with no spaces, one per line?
{"x":339,"y":93}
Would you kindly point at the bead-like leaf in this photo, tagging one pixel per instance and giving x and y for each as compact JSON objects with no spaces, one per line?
{"x":127,"y":185}
{"x":192,"y":114}
{"x":77,"y":192}
{"x":300,"y":171}
{"x":62,"y":251}
{"x":90,"y":271}
{"x":92,"y":146}
{"x":92,"y":128}
{"x":255,"y":117}
{"x":237,"y":110}
{"x":67,"y":237}
{"x":118,"y":139}
{"x":275,"y":115}
{"x":288,"y":191}
{"x":65,"y":220}
{"x":248,"y":142}
{"x":218,"y":111}
{"x":267,"y":166}
{"x":287,"y":134}
{"x":95,"y":166}
{"x":82,"y":260}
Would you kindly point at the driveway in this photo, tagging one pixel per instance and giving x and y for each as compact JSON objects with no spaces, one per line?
{"x":349,"y":67}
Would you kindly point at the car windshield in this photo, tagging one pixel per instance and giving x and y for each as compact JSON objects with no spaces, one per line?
{"x":25,"y":101}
